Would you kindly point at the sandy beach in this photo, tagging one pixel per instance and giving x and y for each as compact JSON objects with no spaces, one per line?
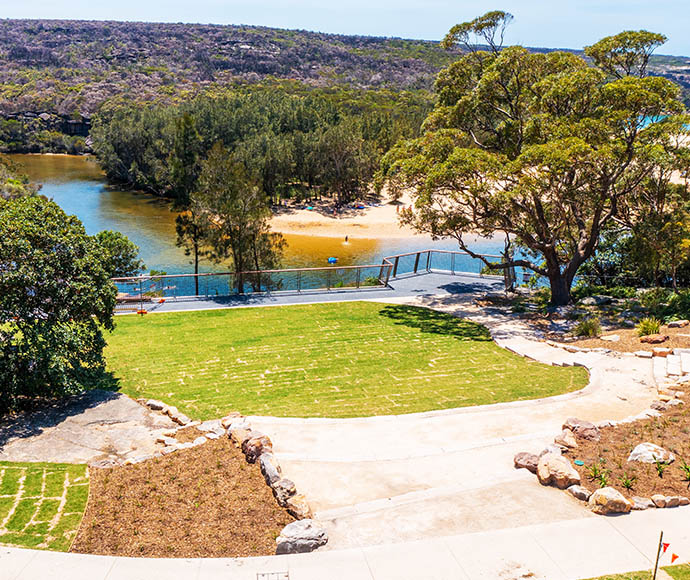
{"x":377,"y":220}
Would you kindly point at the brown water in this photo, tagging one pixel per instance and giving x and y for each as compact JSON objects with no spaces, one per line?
{"x":78,"y":185}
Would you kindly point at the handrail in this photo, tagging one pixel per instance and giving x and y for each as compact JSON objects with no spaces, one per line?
{"x":244,"y":273}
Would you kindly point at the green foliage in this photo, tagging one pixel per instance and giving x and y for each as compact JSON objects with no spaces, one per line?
{"x":588,"y":327}
{"x":234,"y":216}
{"x":660,"y":468}
{"x":120,"y":256}
{"x":648,"y":325}
{"x":291,"y":144}
{"x":626,"y":53}
{"x":685,"y":467}
{"x":13,"y":184}
{"x":520,"y":143}
{"x":583,"y":290}
{"x":628,"y":481}
{"x":55,"y":295}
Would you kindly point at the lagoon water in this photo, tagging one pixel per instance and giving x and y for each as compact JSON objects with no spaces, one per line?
{"x":78,"y":185}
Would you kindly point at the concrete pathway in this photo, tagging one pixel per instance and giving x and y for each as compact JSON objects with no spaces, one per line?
{"x":565,"y":550}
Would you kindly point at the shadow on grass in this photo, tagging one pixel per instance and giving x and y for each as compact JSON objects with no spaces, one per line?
{"x":433,"y":322}
{"x":38,"y":414}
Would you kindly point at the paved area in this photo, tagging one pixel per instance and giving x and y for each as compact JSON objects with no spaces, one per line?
{"x":565,"y":550}
{"x":98,"y":425}
{"x":405,"y":287}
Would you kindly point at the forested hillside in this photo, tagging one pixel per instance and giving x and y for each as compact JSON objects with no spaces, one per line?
{"x":55,"y":75}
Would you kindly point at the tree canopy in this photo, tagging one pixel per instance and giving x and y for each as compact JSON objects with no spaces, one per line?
{"x":55,"y":297}
{"x":540,"y":147}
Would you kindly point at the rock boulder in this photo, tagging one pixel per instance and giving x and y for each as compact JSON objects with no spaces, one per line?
{"x":301,"y":536}
{"x":650,"y":453}
{"x":527,"y":461}
{"x":608,"y":500}
{"x":583,"y":429}
{"x":557,"y":470}
{"x":269,"y":468}
{"x":255,"y":445}
{"x":283,"y":490}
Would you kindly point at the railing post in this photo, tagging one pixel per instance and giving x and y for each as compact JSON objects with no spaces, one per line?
{"x":452,"y":263}
{"x":328,"y":279}
{"x":388,"y":274}
{"x":395,"y":266}
{"x":416,"y":262}
{"x":299,"y":282}
{"x":358,"y":276}
{"x":428,"y":260}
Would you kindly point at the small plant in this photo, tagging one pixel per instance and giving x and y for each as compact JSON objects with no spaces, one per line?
{"x":686,"y":471}
{"x":627,"y":481}
{"x":649,"y":325}
{"x":588,"y":327}
{"x":660,"y":468}
{"x":604,"y":477}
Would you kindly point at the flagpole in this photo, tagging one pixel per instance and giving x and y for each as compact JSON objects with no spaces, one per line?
{"x":658,"y":555}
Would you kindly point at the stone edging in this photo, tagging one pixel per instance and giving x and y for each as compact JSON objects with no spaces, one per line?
{"x":303,"y":535}
{"x":552,"y":468}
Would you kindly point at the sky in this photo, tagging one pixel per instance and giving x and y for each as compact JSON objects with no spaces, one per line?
{"x":555,"y":24}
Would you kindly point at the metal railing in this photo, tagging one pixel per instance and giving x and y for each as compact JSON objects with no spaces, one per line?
{"x":438,"y":261}
{"x":139,"y":293}
{"x":142,"y":293}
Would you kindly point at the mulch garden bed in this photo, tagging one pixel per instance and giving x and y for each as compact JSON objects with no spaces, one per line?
{"x":206,"y":501}
{"x":630,"y":341}
{"x":670,"y":431}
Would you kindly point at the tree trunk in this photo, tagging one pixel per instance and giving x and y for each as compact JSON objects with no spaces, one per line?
{"x":560,"y":289}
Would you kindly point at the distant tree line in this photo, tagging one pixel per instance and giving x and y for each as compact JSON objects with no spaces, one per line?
{"x":303,"y":145}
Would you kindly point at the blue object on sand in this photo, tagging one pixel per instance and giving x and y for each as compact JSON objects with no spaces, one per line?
{"x":332,"y":260}
{"x":579,"y":462}
{"x":309,"y":207}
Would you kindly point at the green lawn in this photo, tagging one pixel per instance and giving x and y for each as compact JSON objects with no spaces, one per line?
{"x":322,"y":360}
{"x":41,"y":504}
{"x":681,"y":572}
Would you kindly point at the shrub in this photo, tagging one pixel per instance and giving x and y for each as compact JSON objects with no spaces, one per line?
{"x":647,"y":326}
{"x":588,"y":327}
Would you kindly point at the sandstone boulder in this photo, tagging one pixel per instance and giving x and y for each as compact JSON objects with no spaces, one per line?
{"x":650,"y":453}
{"x":551,"y":448}
{"x":566,"y":439}
{"x":556,"y":470}
{"x":678,"y":323}
{"x":672,"y":501}
{"x":659,"y":500}
{"x":654,"y":339}
{"x":155,"y":405}
{"x":298,"y":507}
{"x":269,"y":468}
{"x":230,"y":418}
{"x":255,"y":445}
{"x":579,"y":492}
{"x":283,"y":489}
{"x":642,"y":503}
{"x":301,"y":536}
{"x":527,"y":461}
{"x":239,"y":436}
{"x":608,"y":500}
{"x":583,"y":429}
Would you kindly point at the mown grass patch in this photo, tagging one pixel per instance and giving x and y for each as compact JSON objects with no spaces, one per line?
{"x":680,"y":572}
{"x":41,"y":504}
{"x":322,"y":360}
